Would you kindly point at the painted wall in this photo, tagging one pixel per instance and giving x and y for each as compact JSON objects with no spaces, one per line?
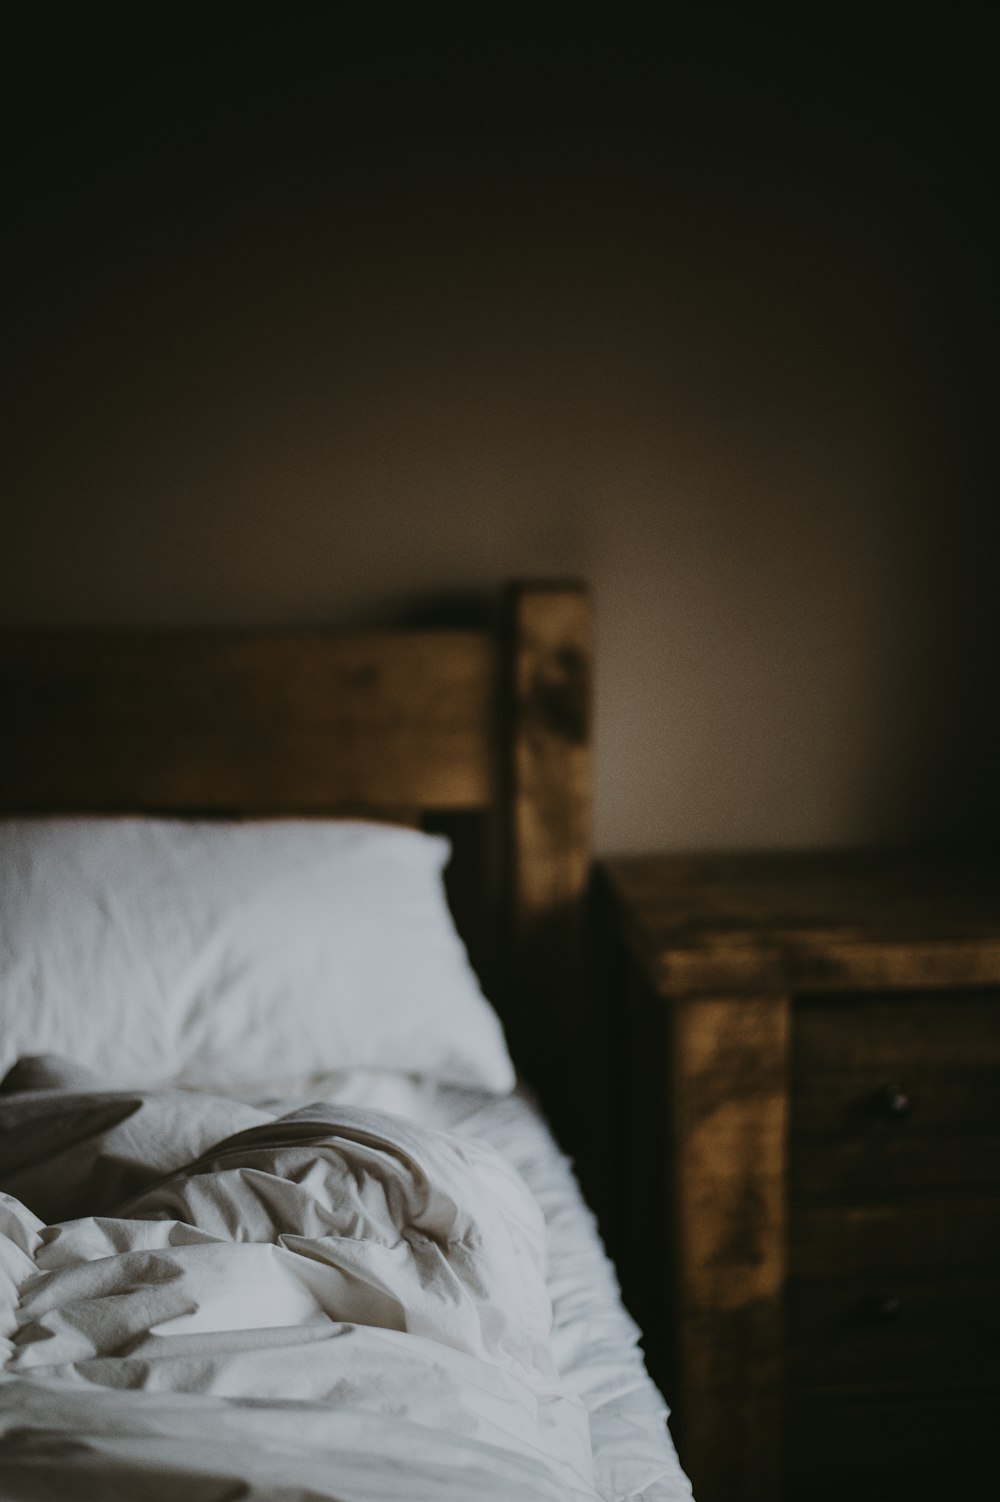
{"x":309,"y":333}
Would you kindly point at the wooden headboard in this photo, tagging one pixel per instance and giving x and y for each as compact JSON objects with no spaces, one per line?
{"x":426,"y":725}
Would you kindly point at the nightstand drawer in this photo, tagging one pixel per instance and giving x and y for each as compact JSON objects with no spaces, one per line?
{"x":905,"y":1297}
{"x":911,"y":1332}
{"x":923,"y":1450}
{"x":895,"y":1095}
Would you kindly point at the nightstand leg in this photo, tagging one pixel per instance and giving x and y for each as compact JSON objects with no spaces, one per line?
{"x":730,"y":1119}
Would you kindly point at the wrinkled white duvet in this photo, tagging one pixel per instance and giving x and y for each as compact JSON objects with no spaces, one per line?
{"x":332,"y":1304}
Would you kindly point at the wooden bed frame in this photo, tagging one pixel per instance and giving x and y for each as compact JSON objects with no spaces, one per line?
{"x":484,"y":732}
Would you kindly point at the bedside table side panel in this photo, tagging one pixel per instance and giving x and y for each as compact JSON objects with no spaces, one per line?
{"x":730,"y":1118}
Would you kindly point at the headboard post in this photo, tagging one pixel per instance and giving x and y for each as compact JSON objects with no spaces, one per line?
{"x":548,"y":817}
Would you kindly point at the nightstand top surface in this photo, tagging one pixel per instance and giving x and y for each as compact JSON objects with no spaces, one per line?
{"x":809,"y":920}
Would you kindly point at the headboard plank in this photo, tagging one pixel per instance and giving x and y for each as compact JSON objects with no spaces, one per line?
{"x":247,"y":721}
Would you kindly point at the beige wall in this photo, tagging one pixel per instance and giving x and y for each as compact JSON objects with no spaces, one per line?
{"x":727,"y":403}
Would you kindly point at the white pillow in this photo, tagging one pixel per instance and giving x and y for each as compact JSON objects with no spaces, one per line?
{"x":162,"y":951}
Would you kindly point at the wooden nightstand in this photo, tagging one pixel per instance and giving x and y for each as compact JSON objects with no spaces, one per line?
{"x":808,"y":1222}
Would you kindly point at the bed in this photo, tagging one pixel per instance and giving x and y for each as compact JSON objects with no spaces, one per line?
{"x":276,"y":1219}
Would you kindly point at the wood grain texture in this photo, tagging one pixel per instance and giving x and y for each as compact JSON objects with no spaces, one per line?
{"x":481,"y":733}
{"x":549,"y":811}
{"x":896,"y":1096}
{"x":887,"y":1297}
{"x":247,"y":721}
{"x":811,"y":921}
{"x":550,"y":750}
{"x":868,"y":1279}
{"x":730,"y":1127}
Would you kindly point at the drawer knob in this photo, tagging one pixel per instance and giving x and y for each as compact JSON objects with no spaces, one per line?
{"x":887,"y":1305}
{"x":897,"y":1102}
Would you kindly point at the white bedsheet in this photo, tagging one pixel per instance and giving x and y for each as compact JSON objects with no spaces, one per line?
{"x":316,"y":1291}
{"x":594,"y":1339}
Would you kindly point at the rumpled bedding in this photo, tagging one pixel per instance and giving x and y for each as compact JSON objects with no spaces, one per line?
{"x":202,"y":1298}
